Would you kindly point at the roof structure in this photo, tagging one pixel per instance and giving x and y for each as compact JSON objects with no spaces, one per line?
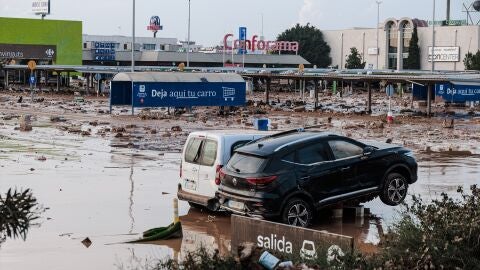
{"x":176,"y":77}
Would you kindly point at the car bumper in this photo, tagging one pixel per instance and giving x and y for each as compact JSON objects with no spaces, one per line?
{"x":252,"y":207}
{"x":192,"y":197}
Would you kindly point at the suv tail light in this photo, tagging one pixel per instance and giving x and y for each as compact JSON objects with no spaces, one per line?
{"x":181,"y":169}
{"x":218,"y":174}
{"x":261,"y":180}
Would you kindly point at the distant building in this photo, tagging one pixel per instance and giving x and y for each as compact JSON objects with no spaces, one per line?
{"x":149,"y":51}
{"x":453,"y":39}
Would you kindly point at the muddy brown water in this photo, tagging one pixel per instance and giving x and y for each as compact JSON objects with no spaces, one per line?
{"x":111,"y":195}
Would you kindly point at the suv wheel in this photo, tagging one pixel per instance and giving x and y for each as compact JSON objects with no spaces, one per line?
{"x":297,"y":212}
{"x":394,"y":189}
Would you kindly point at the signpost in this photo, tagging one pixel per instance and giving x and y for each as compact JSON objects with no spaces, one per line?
{"x":32,"y":65}
{"x":390,"y":91}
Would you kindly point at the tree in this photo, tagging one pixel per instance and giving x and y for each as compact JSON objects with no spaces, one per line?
{"x":472,"y":61}
{"x":312,"y":46}
{"x":413,"y":60}
{"x":354,"y":60}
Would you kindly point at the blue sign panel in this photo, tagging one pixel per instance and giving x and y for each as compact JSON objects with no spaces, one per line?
{"x":188,"y":94}
{"x":242,"y":33}
{"x":458,"y":92}
{"x":419,"y":92}
{"x":33,"y":80}
{"x":390,"y":90}
{"x":104,"y":51}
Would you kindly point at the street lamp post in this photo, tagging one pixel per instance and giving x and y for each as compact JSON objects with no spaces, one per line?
{"x":433,"y":38}
{"x":188,"y":38}
{"x":133,"y":37}
{"x":378,"y":23}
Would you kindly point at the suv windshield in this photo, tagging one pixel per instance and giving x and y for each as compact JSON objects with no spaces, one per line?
{"x":245,"y":163}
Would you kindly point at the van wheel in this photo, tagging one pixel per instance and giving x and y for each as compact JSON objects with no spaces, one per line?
{"x":394,"y":189}
{"x":297,"y":212}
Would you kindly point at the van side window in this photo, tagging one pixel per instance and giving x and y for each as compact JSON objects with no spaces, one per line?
{"x":209,"y":153}
{"x":193,"y":149}
{"x":237,"y":145}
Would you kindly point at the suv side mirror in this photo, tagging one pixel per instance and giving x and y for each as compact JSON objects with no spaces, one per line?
{"x":368,"y":150}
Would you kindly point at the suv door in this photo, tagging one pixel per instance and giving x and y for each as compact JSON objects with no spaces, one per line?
{"x":348,"y":156}
{"x":315,"y":173}
{"x":190,"y":167}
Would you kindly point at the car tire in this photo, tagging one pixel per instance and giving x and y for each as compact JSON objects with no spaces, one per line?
{"x":196,"y":205}
{"x":297,"y":212}
{"x":394,"y":189}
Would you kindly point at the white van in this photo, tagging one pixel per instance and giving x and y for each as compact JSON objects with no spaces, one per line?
{"x":204,"y":154}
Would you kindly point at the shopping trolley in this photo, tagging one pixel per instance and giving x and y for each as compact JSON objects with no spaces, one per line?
{"x":228,"y":93}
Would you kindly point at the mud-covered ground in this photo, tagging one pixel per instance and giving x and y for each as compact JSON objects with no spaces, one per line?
{"x":110,"y":177}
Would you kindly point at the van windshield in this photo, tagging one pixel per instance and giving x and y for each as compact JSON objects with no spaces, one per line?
{"x":246,"y":164}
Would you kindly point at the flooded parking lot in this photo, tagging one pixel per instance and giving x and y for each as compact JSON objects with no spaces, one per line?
{"x":111,"y":188}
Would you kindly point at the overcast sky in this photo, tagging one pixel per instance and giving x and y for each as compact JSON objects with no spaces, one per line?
{"x":211,"y":19}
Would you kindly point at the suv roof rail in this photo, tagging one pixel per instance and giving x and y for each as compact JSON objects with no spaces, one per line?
{"x":282,"y":133}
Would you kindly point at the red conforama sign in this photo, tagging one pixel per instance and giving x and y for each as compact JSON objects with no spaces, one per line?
{"x":261,"y":45}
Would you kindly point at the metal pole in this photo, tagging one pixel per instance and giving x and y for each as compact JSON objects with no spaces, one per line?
{"x":433,"y":38}
{"x":133,"y":37}
{"x":188,"y":38}
{"x":378,"y":23}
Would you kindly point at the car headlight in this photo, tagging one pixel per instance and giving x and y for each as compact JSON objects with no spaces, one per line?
{"x":409,"y":154}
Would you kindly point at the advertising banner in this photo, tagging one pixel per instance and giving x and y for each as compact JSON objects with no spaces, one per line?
{"x":186,"y":94}
{"x":18,"y":51}
{"x":41,"y":7}
{"x":458,"y":92}
{"x":242,"y":32}
{"x":286,"y":239}
{"x":444,"y":54}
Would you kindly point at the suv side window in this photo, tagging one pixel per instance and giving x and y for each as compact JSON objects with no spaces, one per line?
{"x":343,"y":149}
{"x":312,"y":154}
{"x":193,"y":149}
{"x":209,"y":153}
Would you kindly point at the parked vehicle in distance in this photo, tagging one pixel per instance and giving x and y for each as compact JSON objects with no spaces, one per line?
{"x":289,"y":177}
{"x":204,"y":154}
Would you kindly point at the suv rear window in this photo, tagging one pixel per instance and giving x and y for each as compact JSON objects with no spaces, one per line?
{"x":245,"y":164}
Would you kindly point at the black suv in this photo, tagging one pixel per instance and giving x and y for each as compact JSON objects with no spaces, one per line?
{"x":290,"y":175}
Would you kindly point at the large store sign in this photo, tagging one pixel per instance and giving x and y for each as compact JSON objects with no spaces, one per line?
{"x":41,"y":7}
{"x":187,"y":94}
{"x":17,"y":51}
{"x":444,"y":54}
{"x":260,"y":45}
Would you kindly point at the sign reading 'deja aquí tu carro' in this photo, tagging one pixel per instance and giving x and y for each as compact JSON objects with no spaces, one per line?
{"x":186,"y":94}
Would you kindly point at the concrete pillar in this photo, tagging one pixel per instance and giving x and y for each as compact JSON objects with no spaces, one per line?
{"x":369,"y":102}
{"x":429,"y":99}
{"x":315,"y":82}
{"x":399,"y":49}
{"x":58,"y":81}
{"x":87,"y":88}
{"x":267,"y":91}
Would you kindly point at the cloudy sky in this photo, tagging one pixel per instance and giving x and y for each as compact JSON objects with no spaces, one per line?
{"x":211,"y":19}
